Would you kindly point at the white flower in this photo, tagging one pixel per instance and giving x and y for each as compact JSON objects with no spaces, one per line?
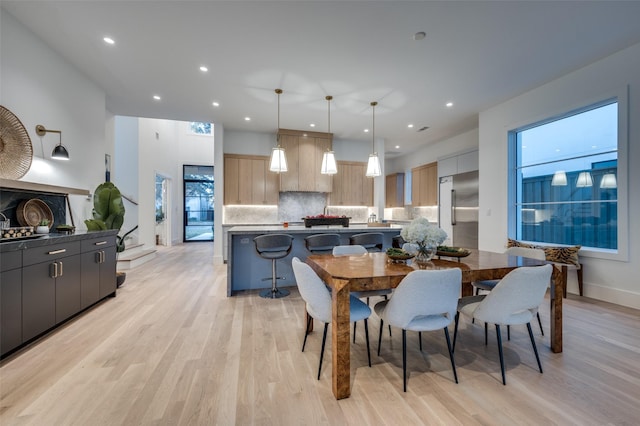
{"x":421,"y":232}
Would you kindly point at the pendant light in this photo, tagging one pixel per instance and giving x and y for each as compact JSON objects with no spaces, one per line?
{"x":559,"y":178}
{"x":584,"y":180}
{"x":278,"y":161}
{"x":373,"y":166}
{"x":329,"y":166}
{"x":609,"y":181}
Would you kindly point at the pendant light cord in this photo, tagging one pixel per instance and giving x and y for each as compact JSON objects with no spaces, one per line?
{"x":373,"y":128}
{"x":279,"y":92}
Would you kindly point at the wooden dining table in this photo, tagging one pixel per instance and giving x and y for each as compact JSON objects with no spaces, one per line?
{"x":373,"y":271}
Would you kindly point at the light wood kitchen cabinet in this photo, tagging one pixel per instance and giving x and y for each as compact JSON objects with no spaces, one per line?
{"x":304,"y":151}
{"x":247,"y":180}
{"x":394,"y":190}
{"x":350,"y":185}
{"x":424,"y":185}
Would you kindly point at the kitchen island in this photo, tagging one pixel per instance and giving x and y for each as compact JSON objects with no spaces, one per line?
{"x":246,"y":269}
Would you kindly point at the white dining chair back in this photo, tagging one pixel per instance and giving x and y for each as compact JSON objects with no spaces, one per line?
{"x":313,"y":291}
{"x":348,"y":250}
{"x":425,"y":300}
{"x":516,"y":298}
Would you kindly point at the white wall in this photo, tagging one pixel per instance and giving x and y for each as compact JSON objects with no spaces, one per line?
{"x":611,"y":280}
{"x":40,"y":87}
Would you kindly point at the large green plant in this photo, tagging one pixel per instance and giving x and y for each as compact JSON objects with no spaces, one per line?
{"x":108,"y":212}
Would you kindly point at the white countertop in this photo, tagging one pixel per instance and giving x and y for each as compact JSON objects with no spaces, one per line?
{"x":303,"y":229}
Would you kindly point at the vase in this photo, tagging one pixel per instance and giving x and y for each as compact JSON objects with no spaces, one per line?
{"x":425,"y":253}
{"x":42,"y":229}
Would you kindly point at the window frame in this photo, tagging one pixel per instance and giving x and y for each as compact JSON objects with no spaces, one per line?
{"x":620,"y":96}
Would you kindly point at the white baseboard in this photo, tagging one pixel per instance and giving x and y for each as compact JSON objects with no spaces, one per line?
{"x":611,"y":295}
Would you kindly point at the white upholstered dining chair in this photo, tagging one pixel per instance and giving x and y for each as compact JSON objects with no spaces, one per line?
{"x":513,"y":301}
{"x":318,"y":304}
{"x":425,"y":300}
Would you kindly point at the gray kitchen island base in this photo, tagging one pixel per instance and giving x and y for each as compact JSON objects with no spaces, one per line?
{"x":246,"y":269}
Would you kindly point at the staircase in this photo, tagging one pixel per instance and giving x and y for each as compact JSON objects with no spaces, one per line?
{"x":134,"y":255}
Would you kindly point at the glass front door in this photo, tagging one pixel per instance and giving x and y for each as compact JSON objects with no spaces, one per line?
{"x":198,"y":203}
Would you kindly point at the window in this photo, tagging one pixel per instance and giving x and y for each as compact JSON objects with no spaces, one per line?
{"x":564,"y":186}
{"x":200,"y":128}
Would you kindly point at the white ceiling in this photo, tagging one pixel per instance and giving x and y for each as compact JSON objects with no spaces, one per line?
{"x":475,"y":54}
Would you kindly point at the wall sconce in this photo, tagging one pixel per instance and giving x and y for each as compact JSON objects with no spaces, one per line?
{"x":609,"y":181}
{"x":584,"y":180}
{"x":559,"y":178}
{"x":59,"y":152}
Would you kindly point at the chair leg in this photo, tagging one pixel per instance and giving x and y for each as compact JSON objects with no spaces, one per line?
{"x":504,"y":380}
{"x":324,"y":340}
{"x":366,"y":335}
{"x":486,"y":332}
{"x":306,"y":331}
{"x":354,"y":331}
{"x":455,"y":332}
{"x":508,"y":332}
{"x":579,"y":272}
{"x":380,"y":336}
{"x":540,"y":323}
{"x":533,"y":343}
{"x":404,"y":359}
{"x":453,"y":363}
{"x":420,"y":339}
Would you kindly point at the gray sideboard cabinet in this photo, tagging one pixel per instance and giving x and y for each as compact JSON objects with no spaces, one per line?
{"x":10,"y":301}
{"x":50,"y":286}
{"x":98,"y":269}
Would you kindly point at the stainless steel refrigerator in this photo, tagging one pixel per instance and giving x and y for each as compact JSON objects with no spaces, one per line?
{"x":458,"y":209}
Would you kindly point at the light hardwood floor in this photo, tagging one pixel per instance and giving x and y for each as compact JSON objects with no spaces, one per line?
{"x":172,"y":349}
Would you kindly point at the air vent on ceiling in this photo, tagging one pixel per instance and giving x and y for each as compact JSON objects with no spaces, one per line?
{"x":421,"y":129}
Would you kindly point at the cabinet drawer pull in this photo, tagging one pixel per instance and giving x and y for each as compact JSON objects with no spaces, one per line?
{"x":57,"y":251}
{"x":61,"y":270}
{"x":101,"y":243}
{"x":53,"y":270}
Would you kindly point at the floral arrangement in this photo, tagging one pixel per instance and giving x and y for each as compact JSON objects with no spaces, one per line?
{"x":425,"y":235}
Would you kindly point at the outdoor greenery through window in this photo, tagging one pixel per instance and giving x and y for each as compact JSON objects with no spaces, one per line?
{"x":566,"y":172}
{"x":201,"y":128}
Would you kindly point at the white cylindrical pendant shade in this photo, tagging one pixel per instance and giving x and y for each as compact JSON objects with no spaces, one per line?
{"x":559,"y":178}
{"x":373,"y":166}
{"x":609,"y":181}
{"x":278,"y":162}
{"x":329,"y":166}
{"x":584,"y":180}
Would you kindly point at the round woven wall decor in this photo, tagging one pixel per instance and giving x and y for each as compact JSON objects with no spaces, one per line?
{"x":16,"y":151}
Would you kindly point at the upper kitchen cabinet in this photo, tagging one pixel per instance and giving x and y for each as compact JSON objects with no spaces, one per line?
{"x":394,"y":190}
{"x":247,"y":180}
{"x":456,"y":164}
{"x":424,"y":185}
{"x":304,"y":152}
{"x":350,"y":185}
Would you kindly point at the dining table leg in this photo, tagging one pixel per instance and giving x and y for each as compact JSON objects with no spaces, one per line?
{"x":555,"y":319}
{"x":341,"y":345}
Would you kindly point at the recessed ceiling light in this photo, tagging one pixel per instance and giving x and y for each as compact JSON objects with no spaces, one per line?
{"x":366,"y":130}
{"x":247,"y":119}
{"x":312,"y":125}
{"x":419,"y":35}
{"x":410,"y":126}
{"x":449,"y":104}
{"x":109,"y":40}
{"x":397,"y":146}
{"x":156,"y":97}
{"x":215,"y":104}
{"x":204,"y":69}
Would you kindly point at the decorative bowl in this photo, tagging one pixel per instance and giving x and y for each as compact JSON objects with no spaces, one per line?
{"x":452,"y":251}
